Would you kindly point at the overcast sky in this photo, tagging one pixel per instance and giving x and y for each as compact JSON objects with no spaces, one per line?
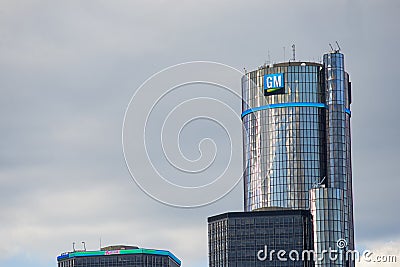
{"x":68,"y":70}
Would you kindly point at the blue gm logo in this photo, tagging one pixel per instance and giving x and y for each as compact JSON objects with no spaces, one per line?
{"x":274,"y":84}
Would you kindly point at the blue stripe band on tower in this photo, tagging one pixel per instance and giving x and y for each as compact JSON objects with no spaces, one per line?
{"x":284,"y":105}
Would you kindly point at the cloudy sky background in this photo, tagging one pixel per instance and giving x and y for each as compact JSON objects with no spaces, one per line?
{"x":68,"y":70}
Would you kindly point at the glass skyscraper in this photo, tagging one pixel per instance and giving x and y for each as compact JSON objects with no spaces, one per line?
{"x":247,"y":238}
{"x":297,"y":146}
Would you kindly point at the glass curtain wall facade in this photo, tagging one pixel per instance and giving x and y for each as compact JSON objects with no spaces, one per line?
{"x":297,"y":145}
{"x":327,"y":209}
{"x":338,"y":100}
{"x":236,"y":237}
{"x":284,"y":139}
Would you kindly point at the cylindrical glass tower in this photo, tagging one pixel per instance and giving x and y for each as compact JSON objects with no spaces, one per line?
{"x":338,"y":138}
{"x":297,"y":144}
{"x":327,"y":209}
{"x":284,"y":139}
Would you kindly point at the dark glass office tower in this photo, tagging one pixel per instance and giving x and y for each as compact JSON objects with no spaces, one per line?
{"x":297,"y":148}
{"x":119,"y":256}
{"x":254,"y":238}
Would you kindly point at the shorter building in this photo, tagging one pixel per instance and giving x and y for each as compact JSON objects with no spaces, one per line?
{"x":119,"y":256}
{"x":244,"y":239}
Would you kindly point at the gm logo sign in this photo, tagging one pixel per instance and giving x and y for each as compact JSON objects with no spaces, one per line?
{"x":274,"y":84}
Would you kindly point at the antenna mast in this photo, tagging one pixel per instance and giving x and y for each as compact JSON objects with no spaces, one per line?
{"x":294,"y":52}
{"x":338,"y":46}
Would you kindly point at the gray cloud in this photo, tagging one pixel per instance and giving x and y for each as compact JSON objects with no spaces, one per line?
{"x":68,"y":70}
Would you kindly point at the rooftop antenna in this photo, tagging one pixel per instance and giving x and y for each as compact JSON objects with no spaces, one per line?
{"x":294,"y":52}
{"x":331,"y":47}
{"x":100,"y":243}
{"x":338,"y":47}
{"x":73,"y":246}
{"x":84,"y":245}
{"x":269,"y":58}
